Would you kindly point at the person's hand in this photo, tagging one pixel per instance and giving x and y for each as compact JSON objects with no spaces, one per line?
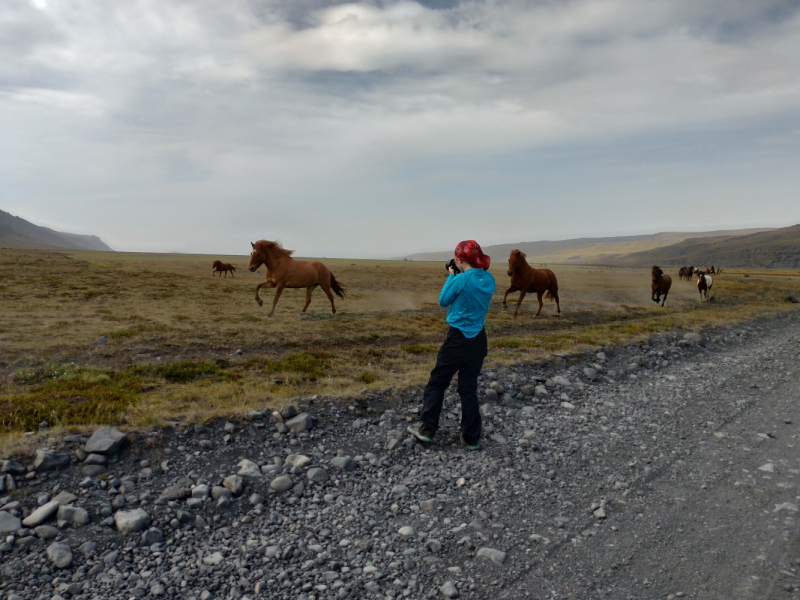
{"x":452,"y":272}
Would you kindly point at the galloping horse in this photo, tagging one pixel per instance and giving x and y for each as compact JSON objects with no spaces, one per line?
{"x":525,"y":278}
{"x":283,"y":271}
{"x":683,"y":273}
{"x":704,"y":284}
{"x":661,"y":285}
{"x":221,"y":267}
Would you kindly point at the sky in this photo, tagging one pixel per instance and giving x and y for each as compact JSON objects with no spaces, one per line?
{"x":382,"y":128}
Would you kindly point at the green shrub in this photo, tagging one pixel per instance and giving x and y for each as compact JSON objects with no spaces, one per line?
{"x":367,"y":377}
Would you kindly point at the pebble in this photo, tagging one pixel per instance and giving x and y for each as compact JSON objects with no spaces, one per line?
{"x":41,"y":514}
{"x":281,"y":483}
{"x":131,"y":521}
{"x":496,"y":556}
{"x":449,"y":590}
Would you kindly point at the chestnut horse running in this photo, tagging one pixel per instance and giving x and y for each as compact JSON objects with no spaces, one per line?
{"x":283,"y":271}
{"x":661,"y":285}
{"x":221,"y":267}
{"x":525,"y":279}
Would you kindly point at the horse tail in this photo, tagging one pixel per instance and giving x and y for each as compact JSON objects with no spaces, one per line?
{"x":233,"y":268}
{"x":337,"y":288}
{"x":548,"y":295}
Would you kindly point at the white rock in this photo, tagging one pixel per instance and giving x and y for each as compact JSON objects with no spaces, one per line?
{"x":298,"y":460}
{"x":496,"y":556}
{"x":213,"y":559}
{"x":41,"y":514}
{"x":131,"y":521}
{"x":247,"y":468}
{"x":406,"y":531}
{"x":767,"y":468}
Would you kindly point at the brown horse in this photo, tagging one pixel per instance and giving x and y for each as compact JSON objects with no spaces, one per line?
{"x":683,"y":273}
{"x":283,"y":271}
{"x":525,"y":278}
{"x":221,"y":267}
{"x":661,"y":285}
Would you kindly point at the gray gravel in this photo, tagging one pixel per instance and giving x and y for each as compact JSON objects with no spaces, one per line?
{"x":666,"y":469}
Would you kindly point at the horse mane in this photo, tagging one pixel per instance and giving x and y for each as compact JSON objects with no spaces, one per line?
{"x":519,"y":257}
{"x":276,"y":247}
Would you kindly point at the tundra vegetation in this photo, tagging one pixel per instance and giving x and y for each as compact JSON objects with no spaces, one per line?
{"x":174,"y":331}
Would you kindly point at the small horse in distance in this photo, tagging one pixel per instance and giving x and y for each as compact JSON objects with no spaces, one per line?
{"x":525,"y":279}
{"x":220,"y":267}
{"x":661,"y":285}
{"x":704,"y":284}
{"x":283,"y":271}
{"x":683,"y":273}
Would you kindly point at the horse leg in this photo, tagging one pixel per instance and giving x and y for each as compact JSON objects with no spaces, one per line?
{"x":558,"y":303}
{"x":505,"y":296}
{"x":519,"y":302}
{"x":258,"y":298}
{"x":309,"y":289}
{"x":665,"y":297}
{"x":275,"y":299}
{"x":326,"y":287}
{"x":541,"y":304}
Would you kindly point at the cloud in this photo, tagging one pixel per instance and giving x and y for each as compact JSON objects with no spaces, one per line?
{"x":177,"y":106}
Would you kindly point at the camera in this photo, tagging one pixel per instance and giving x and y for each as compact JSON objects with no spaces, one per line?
{"x":452,"y":264}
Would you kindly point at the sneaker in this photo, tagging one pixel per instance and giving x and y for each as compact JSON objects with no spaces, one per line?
{"x":470,"y":446}
{"x":415,"y":432}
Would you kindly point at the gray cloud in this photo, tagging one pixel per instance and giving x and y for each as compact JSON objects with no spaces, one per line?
{"x":163,"y":124}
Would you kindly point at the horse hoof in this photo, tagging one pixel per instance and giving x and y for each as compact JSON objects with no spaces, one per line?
{"x":260,"y":303}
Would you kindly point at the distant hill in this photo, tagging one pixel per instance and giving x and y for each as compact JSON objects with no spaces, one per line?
{"x":775,"y":249}
{"x":23,"y":235}
{"x":583,"y":251}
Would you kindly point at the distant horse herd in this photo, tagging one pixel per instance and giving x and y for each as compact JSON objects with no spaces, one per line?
{"x":283,"y":271}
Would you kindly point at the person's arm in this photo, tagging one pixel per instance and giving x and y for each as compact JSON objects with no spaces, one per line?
{"x":450,"y":290}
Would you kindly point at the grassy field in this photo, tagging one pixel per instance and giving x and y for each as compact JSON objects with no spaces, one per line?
{"x":174,"y":330}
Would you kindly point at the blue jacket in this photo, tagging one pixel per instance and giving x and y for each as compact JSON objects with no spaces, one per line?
{"x":468,"y":295}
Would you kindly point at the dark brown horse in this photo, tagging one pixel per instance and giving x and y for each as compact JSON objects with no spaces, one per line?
{"x":683,"y":273}
{"x":661,"y":285}
{"x":525,"y":279}
{"x":283,"y":271}
{"x":221,"y":267}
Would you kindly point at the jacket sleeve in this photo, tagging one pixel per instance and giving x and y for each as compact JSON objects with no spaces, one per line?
{"x":450,"y":290}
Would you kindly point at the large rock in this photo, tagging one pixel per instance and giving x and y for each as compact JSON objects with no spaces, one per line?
{"x":282,"y":483}
{"x":235,"y":484}
{"x":131,"y":521}
{"x":562,"y":381}
{"x":344,"y":462}
{"x":300,"y":423}
{"x":50,"y":460}
{"x":288,"y":412}
{"x":247,"y":468}
{"x":175,"y":492}
{"x":317,"y":475}
{"x":73,"y":515}
{"x":106,"y":440}
{"x":496,"y":556}
{"x":13,"y":467}
{"x":60,"y":555}
{"x":298,"y":460}
{"x":9,"y":523}
{"x":41,"y":514}
{"x":694,"y":338}
{"x":449,"y":590}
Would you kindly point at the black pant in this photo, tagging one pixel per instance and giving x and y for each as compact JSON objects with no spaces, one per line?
{"x":462,"y":355}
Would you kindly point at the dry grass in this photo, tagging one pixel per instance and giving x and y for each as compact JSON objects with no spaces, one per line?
{"x":173,"y":329}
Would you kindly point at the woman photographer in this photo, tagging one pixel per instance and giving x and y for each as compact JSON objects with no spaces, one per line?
{"x":468,"y":294}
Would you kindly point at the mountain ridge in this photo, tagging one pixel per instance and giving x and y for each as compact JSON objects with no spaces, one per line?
{"x":19,"y":234}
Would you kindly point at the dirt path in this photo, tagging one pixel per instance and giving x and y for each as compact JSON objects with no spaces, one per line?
{"x":716,"y":515}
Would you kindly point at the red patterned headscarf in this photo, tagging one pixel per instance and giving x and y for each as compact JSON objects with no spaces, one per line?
{"x":470,"y":251}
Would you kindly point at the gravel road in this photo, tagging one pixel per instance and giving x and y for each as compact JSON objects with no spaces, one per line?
{"x":666,"y":469}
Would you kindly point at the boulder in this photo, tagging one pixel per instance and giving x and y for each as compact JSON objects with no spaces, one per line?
{"x":41,"y":514}
{"x":131,"y":521}
{"x":344,"y":462}
{"x":247,"y":468}
{"x":175,"y":492}
{"x":235,"y":484}
{"x":288,"y":412}
{"x":300,"y":423}
{"x":694,"y":338}
{"x":106,"y":440}
{"x":298,"y":460}
{"x":50,"y":460}
{"x":73,"y":515}
{"x":60,"y":555}
{"x":12,"y":467}
{"x":317,"y":475}
{"x":9,"y":523}
{"x":496,"y":556}
{"x":282,"y":483}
